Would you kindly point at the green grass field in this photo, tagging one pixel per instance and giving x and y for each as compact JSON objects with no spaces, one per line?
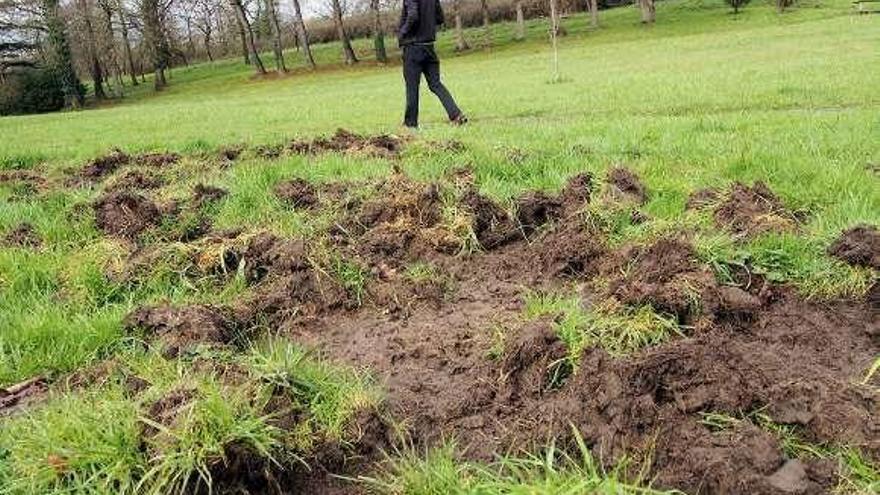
{"x":701,"y":99}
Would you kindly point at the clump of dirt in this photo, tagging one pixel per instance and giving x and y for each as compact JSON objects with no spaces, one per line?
{"x":624,"y":184}
{"x":534,"y":362}
{"x":703,"y":198}
{"x":750,"y":211}
{"x":535,"y":209}
{"x":125,"y":214}
{"x":105,"y":165}
{"x":668,"y":276}
{"x":166,"y":410}
{"x":297,"y":192}
{"x":23,"y":236}
{"x":157,"y":159}
{"x":230,"y":153}
{"x":382,"y":146}
{"x":572,"y":249}
{"x":182,"y":328}
{"x":15,"y":396}
{"x":492,"y":226}
{"x":204,"y":195}
{"x":577,"y":191}
{"x":858,"y":246}
{"x":269,"y":151}
{"x":290,"y":286}
{"x":134,"y":180}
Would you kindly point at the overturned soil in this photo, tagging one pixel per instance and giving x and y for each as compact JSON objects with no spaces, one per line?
{"x":457,"y":359}
{"x":299,"y":193}
{"x":751,"y":211}
{"x":859,"y":246}
{"x":134,"y":180}
{"x":624,"y":184}
{"x":23,"y":236}
{"x":382,"y":146}
{"x":125,"y":214}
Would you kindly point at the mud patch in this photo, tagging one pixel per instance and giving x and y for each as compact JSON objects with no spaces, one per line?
{"x":536,"y":209}
{"x":751,"y":211}
{"x":182,"y":329}
{"x":571,"y":250}
{"x":492,"y":226}
{"x":534,"y":362}
{"x":625,"y":185}
{"x":381,"y":146}
{"x":125,"y":214}
{"x":858,"y":246}
{"x":298,"y":193}
{"x":105,"y":165}
{"x":22,"y":236}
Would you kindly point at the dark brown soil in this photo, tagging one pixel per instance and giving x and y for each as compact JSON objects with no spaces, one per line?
{"x":750,"y":211}
{"x":125,"y":214}
{"x":230,"y":153}
{"x":181,"y":329}
{"x":105,"y":165}
{"x":492,"y":225}
{"x":134,"y":180}
{"x":383,"y":146}
{"x":15,"y":396}
{"x":578,"y":190}
{"x":24,"y":236}
{"x":157,"y":159}
{"x":204,"y":195}
{"x":298,"y":192}
{"x":535,"y":209}
{"x":624,"y":184}
{"x":703,"y":198}
{"x":859,"y":246}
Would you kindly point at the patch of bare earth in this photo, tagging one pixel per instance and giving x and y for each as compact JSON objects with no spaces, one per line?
{"x":750,"y":211}
{"x":23,"y":236}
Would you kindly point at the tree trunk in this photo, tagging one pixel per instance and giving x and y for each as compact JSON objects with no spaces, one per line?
{"x":275,"y":27}
{"x":110,"y":47}
{"x":208,"y":47}
{"x":461,"y":43}
{"x":302,"y":35}
{"x":238,"y":9}
{"x":126,"y":43}
{"x":487,"y":30}
{"x":95,"y":69}
{"x":594,"y":13}
{"x":648,"y":11}
{"x":347,"y":50}
{"x":520,"y":22}
{"x":242,"y":36}
{"x":155,"y":37}
{"x":59,"y":57}
{"x":554,"y":34}
{"x":378,"y":33}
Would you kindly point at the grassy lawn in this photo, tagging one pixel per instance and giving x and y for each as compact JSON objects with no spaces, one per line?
{"x":702,"y":99}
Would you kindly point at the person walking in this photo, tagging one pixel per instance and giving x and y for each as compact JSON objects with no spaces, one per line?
{"x":418,"y":30}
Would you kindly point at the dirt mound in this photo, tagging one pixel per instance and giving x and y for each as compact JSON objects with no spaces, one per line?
{"x":859,"y":246}
{"x":297,"y":192}
{"x":491,"y":224}
{"x":157,"y":159}
{"x":578,"y":190}
{"x":230,"y":153}
{"x":182,"y":328}
{"x":703,"y":198}
{"x":382,"y":146}
{"x":625,"y":185}
{"x":24,"y":236}
{"x":535,"y":209}
{"x":133,"y":180}
{"x":750,"y":211}
{"x":204,"y":195}
{"x":267,"y":253}
{"x":668,"y":276}
{"x":105,"y":165}
{"x":572,"y":249}
{"x":125,"y":214}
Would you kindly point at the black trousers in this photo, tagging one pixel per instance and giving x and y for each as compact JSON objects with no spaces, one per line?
{"x":418,"y":60}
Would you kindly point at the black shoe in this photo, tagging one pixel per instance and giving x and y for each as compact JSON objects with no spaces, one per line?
{"x":461,"y":119}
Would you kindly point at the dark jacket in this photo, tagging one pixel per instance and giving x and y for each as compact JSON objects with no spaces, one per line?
{"x":418,"y":21}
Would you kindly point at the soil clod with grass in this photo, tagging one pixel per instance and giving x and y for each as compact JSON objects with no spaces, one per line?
{"x":24,"y":235}
{"x":751,"y":211}
{"x":626,"y":185}
{"x":179,"y":329}
{"x":125,"y":214}
{"x":297,"y":192}
{"x":381,"y":146}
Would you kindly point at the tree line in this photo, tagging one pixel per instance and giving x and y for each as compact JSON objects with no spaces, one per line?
{"x":50,"y":46}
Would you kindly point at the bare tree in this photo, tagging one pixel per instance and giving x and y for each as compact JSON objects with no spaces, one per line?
{"x":347,"y":50}
{"x":461,"y":43}
{"x":108,"y":47}
{"x":91,"y":47}
{"x":238,"y":10}
{"x":242,"y":34}
{"x":206,"y":10}
{"x":154,"y":35}
{"x":594,"y":13}
{"x":275,"y":28}
{"x":126,"y":42}
{"x":378,"y":32}
{"x":302,"y":35}
{"x":648,"y":11}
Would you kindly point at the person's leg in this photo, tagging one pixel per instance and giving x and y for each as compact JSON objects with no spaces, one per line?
{"x":431,"y":67}
{"x":412,"y":75}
